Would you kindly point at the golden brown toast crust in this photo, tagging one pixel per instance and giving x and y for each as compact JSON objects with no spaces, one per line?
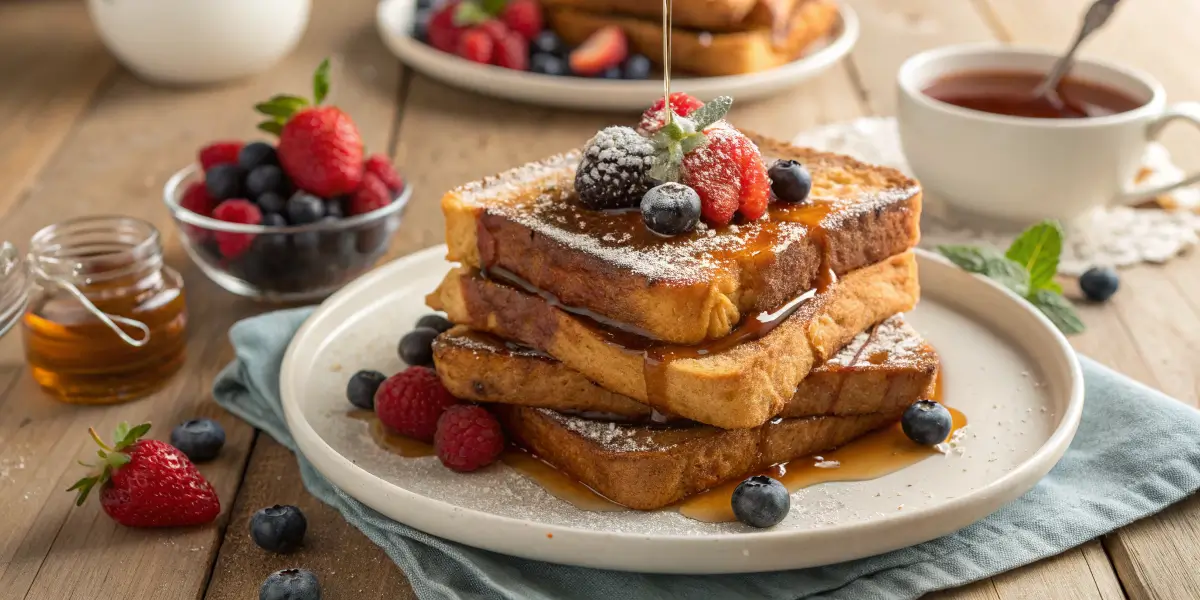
{"x":740,"y":387}
{"x":704,"y":15}
{"x":646,"y":467}
{"x":704,"y":53}
{"x":693,"y":287}
{"x":889,"y":361}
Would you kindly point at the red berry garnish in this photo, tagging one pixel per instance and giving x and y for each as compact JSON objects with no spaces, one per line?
{"x":468,"y":438}
{"x":411,"y":401}
{"x":728,"y":174}
{"x":372,"y":194}
{"x":237,"y":210}
{"x":512,"y":52}
{"x":197,"y":199}
{"x":605,"y":48}
{"x":381,"y":167}
{"x":523,"y":17}
{"x":476,"y":45}
{"x":654,"y":118}
{"x":219,"y":153}
{"x":442,"y":32}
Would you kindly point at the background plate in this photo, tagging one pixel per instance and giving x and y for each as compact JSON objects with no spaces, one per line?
{"x":395,"y":20}
{"x":1005,"y":366}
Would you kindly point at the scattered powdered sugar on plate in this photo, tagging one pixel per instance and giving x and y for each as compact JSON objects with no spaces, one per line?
{"x":1118,"y":236}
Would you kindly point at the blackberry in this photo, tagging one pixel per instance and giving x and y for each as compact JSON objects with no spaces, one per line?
{"x":615,"y":169}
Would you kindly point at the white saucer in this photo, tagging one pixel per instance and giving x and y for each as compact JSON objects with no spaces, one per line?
{"x":394,"y":19}
{"x":1005,"y":367}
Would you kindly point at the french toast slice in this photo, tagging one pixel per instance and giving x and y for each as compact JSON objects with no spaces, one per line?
{"x":738,"y":382}
{"x":703,"y":15}
{"x":691,"y":287}
{"x":706,"y":53}
{"x":889,"y":361}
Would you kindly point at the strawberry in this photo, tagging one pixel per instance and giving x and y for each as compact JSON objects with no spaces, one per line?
{"x":442,"y":31}
{"x":381,"y":167}
{"x":605,"y":48}
{"x":373,"y":194}
{"x":476,"y":45}
{"x":654,"y":118}
{"x":728,"y":174}
{"x":219,"y":153}
{"x":512,"y":52}
{"x":523,"y":17}
{"x":148,"y":483}
{"x":319,"y":146}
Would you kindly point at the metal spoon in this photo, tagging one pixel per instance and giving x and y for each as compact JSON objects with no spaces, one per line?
{"x":1095,"y":18}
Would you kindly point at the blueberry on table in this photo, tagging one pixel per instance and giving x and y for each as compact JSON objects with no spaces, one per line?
{"x":271,"y":203}
{"x":548,"y":64}
{"x":790,"y":181}
{"x":636,"y":66}
{"x":361,"y":388}
{"x":224,"y":182}
{"x":303,"y":208}
{"x":438,"y":322}
{"x":257,"y":154}
{"x":1099,"y":284}
{"x":278,"y":528}
{"x":671,"y":209}
{"x":416,"y":347}
{"x":266,"y":179}
{"x":760,"y":501}
{"x":199,"y":439}
{"x":927,"y":422}
{"x":290,"y":584}
{"x":548,"y":42}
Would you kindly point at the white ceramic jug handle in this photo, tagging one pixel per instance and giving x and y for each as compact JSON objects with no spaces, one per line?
{"x":1185,"y":111}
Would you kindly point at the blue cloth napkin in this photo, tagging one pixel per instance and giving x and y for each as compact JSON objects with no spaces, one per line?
{"x":1136,"y":452}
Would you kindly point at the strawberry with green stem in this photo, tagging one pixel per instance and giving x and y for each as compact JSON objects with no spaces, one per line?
{"x":319,"y":146}
{"x":147,"y":483}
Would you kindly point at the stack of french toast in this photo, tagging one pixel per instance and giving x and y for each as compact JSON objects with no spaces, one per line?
{"x":710,"y":37}
{"x":683,"y":304}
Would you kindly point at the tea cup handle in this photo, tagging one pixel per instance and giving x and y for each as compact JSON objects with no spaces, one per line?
{"x":1185,"y":111}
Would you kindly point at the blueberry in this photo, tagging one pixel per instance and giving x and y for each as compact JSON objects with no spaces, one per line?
{"x":224,"y":182}
{"x":416,"y":347}
{"x":271,"y":203}
{"x":257,"y":154}
{"x":613,"y":72}
{"x":306,"y":242}
{"x":361,"y":388}
{"x":271,"y":219}
{"x":926,"y":422}
{"x":266,"y":179}
{"x":548,"y":64}
{"x":199,"y":439}
{"x":671,"y":209}
{"x":1099,"y":283}
{"x":333,"y":208}
{"x":303,"y":208}
{"x":436,"y":322}
{"x":290,"y":584}
{"x":761,"y":501}
{"x":278,"y":528}
{"x":548,"y":42}
{"x":373,"y":240}
{"x":790,"y":181}
{"x":636,"y":66}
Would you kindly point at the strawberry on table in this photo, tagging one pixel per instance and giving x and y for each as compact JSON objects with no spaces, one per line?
{"x":148,"y":483}
{"x":319,"y":146}
{"x":605,"y":48}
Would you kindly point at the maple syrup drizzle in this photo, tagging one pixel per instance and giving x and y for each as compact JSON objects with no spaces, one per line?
{"x":556,"y":483}
{"x":391,"y":441}
{"x":668,"y":18}
{"x":869,"y":457}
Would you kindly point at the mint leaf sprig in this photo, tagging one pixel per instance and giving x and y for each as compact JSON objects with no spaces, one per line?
{"x":1027,"y":268}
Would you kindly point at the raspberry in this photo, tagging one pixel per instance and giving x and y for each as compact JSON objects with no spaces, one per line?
{"x":373,"y":194}
{"x":476,"y":45}
{"x":219,"y":153}
{"x":614,"y":170}
{"x":523,"y":17}
{"x":411,"y":401}
{"x":468,"y":438}
{"x":512,"y":52}
{"x":442,"y":33}
{"x":379,"y":166}
{"x":654,"y":118}
{"x":728,"y":174}
{"x":237,"y":210}
{"x":196,"y":199}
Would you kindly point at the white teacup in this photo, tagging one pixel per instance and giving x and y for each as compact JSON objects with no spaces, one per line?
{"x":1024,"y":169}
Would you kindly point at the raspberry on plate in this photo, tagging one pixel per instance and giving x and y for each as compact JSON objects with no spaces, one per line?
{"x":381,"y":167}
{"x":476,"y":45}
{"x":468,"y":438}
{"x":411,"y":401}
{"x":373,"y":194}
{"x":219,"y":153}
{"x":654,"y":118}
{"x":605,"y":48}
{"x":230,"y":244}
{"x":523,"y":17}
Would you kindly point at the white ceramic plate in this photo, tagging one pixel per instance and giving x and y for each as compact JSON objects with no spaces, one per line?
{"x":395,"y":21}
{"x":1005,"y":367}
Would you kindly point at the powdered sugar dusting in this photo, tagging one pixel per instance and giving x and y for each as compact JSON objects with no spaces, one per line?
{"x":895,"y":337}
{"x":616,"y":437}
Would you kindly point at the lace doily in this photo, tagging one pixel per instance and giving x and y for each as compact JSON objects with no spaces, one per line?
{"x":1117,"y":236}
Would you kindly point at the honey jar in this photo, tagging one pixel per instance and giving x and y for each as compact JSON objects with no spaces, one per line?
{"x":103,"y":318}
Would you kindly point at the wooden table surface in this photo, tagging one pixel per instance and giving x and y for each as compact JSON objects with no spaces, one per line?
{"x":79,"y":135}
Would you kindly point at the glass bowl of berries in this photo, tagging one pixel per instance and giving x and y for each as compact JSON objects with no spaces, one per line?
{"x":260,"y":233}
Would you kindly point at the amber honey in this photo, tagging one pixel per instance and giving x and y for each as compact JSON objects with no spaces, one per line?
{"x":111,"y":266}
